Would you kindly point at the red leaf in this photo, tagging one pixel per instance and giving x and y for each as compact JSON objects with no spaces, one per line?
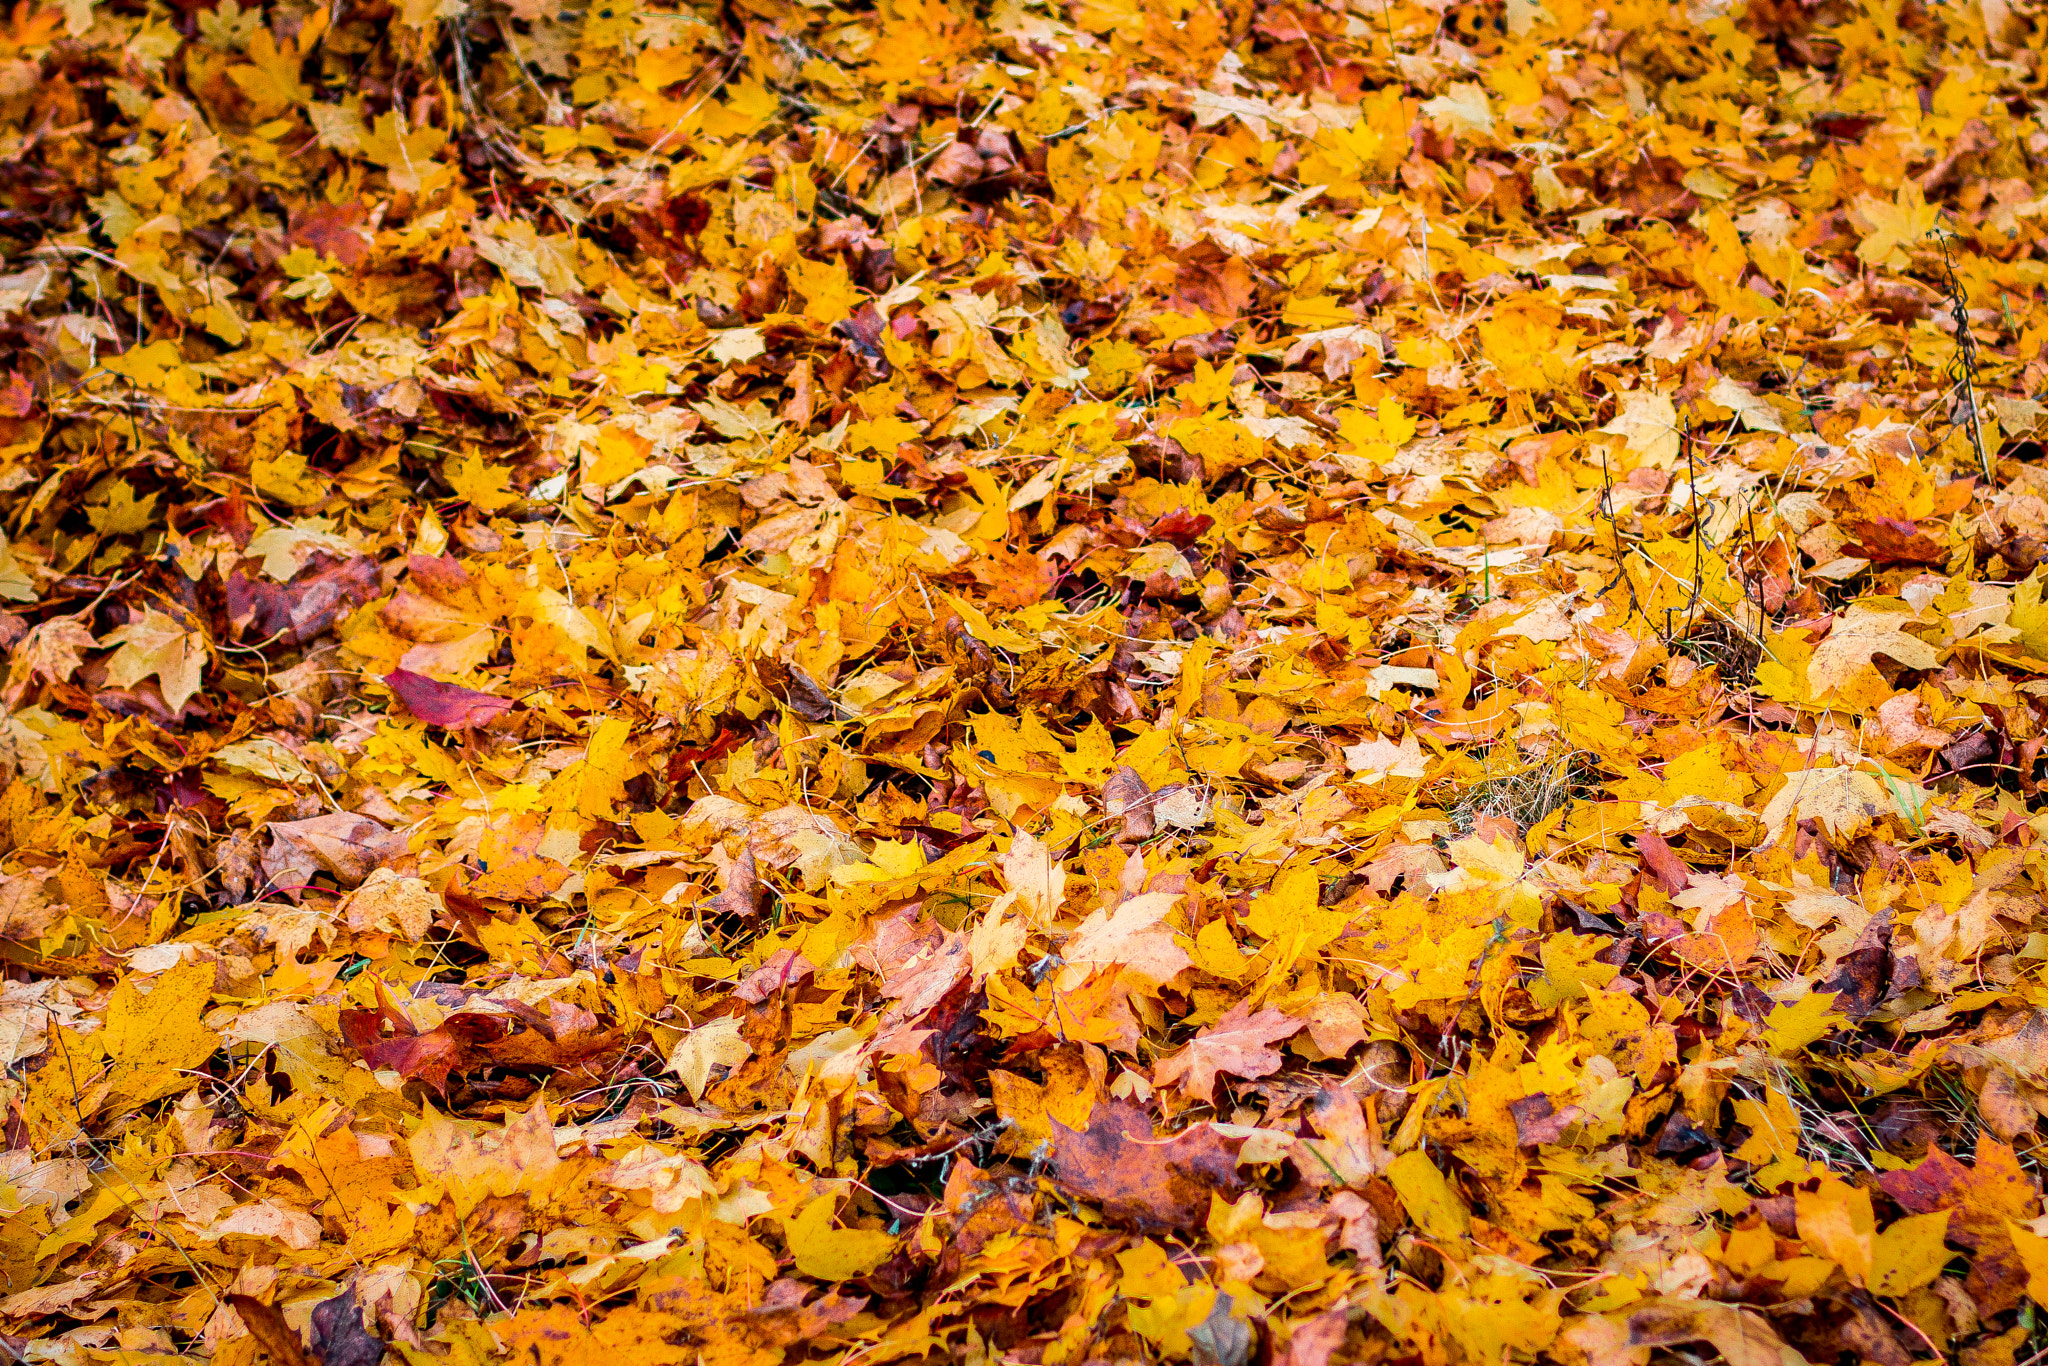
{"x":333,"y":230}
{"x":320,"y":594}
{"x":17,"y":399}
{"x":439,"y":575}
{"x":460,"y":1043}
{"x":445,"y":704}
{"x":1181,"y":527}
{"x":1844,"y":127}
{"x":1240,"y":1044}
{"x":266,"y":1324}
{"x":364,"y":1029}
{"x":1986,"y":1198}
{"x":339,"y":1337}
{"x":783,"y":968}
{"x":1315,"y":1340}
{"x":1153,"y":1184}
{"x":1671,"y":871}
{"x":1889,"y":540}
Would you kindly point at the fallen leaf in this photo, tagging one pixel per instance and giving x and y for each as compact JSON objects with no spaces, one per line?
{"x":269,"y":1328}
{"x":1153,"y":1184}
{"x":157,"y":645}
{"x":445,"y":704}
{"x":1237,"y":1044}
{"x":152,"y":1039}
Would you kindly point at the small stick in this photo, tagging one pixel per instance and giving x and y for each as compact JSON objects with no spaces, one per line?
{"x":1964,"y":368}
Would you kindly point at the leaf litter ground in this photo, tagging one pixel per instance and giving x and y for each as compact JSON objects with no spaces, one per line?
{"x":1023,"y":683}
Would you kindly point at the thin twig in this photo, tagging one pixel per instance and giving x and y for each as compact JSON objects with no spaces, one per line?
{"x":1963,"y":369}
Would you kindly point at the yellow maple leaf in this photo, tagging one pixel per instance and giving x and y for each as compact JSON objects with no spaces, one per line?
{"x":407,"y":154}
{"x":1289,"y":916}
{"x":116,"y":511}
{"x":1437,"y":1209}
{"x":1648,"y":426}
{"x":157,"y":644}
{"x":483,"y":485}
{"x":716,"y":1043}
{"x":153,"y":1039}
{"x":1911,"y":1253}
{"x":835,"y":1254}
{"x":829,"y":292}
{"x":1787,"y":1029}
{"x":1858,"y":634}
{"x":1892,"y":232}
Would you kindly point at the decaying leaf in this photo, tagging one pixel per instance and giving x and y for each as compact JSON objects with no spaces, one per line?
{"x":1155,"y":1184}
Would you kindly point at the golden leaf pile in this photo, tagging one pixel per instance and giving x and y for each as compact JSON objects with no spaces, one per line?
{"x":1041,"y":682}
